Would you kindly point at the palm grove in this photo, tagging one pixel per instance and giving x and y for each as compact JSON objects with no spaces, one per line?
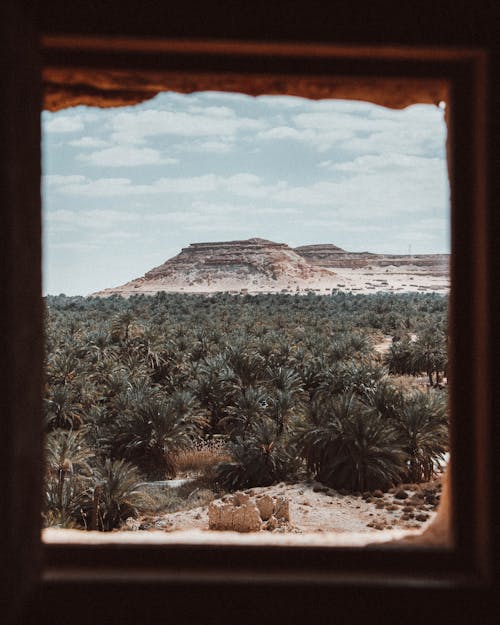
{"x":270,"y":388}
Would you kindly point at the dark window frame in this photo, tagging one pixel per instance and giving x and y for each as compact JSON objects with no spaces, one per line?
{"x":128,"y":575}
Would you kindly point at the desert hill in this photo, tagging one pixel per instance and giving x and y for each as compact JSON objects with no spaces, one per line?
{"x":332,"y":257}
{"x":249,"y":265}
{"x":261,"y":266}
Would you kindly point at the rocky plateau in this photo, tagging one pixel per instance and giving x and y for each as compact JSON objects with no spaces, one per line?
{"x":260,"y":266}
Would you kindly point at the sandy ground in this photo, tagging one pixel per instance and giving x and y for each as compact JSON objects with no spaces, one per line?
{"x":316,"y":508}
{"x":410,"y":279}
{"x":318,"y":516}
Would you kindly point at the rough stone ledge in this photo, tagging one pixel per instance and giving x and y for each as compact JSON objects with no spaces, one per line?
{"x":242,"y":513}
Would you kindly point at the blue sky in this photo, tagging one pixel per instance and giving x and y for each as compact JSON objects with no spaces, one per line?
{"x":124,"y":189}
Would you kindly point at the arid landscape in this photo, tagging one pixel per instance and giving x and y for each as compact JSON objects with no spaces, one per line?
{"x":261,"y":266}
{"x":299,"y":407}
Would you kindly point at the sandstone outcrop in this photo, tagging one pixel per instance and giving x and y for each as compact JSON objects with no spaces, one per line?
{"x":238,"y":266}
{"x":242,"y":513}
{"x":261,"y":266}
{"x":330,"y":256}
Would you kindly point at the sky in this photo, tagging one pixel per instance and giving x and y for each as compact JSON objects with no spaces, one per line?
{"x":124,"y":189}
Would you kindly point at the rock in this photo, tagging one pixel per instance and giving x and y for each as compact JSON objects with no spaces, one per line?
{"x":378,"y":493}
{"x":242,"y":513}
{"x":401,"y":494}
{"x":266,"y":507}
{"x":282,"y":509}
{"x":319,"y":488}
{"x":229,"y":266}
{"x":271,"y":524}
{"x":132,"y":525}
{"x":238,"y":518}
{"x":330,"y":256}
{"x":422,"y":517}
{"x":240,"y":498}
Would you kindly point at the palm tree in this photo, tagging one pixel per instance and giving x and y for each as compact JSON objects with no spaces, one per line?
{"x":68,"y":474}
{"x":258,"y":459}
{"x":62,"y":408}
{"x":151,"y":433}
{"x":116,"y":496}
{"x":247,"y":406}
{"x":347,"y":445}
{"x":422,"y":427}
{"x":430,"y":354}
{"x":121,"y":325}
{"x":281,"y":405}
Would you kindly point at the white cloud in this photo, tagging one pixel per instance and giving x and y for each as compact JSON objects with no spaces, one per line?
{"x":209,"y":147}
{"x":62,"y":124}
{"x":371,"y":163}
{"x":212,"y":111}
{"x":126,"y":156}
{"x":285,"y":132}
{"x":88,"y":142}
{"x":57,"y":180}
{"x":135,"y":127}
{"x":414,"y":130}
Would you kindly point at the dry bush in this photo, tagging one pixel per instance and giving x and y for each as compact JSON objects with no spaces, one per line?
{"x":202,"y":458}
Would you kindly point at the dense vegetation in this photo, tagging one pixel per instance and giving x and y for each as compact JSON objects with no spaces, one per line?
{"x":291,"y":385}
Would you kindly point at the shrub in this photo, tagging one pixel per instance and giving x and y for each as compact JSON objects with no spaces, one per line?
{"x":115,"y":496}
{"x":422,"y":426}
{"x":347,"y":445}
{"x":202,"y":458}
{"x":67,"y":478}
{"x":258,"y":460}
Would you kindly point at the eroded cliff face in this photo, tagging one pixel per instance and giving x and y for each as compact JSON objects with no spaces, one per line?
{"x":253,"y":265}
{"x":261,"y":266}
{"x":330,"y":256}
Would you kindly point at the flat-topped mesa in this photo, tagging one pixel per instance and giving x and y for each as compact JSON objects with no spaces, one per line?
{"x":255,"y":265}
{"x":261,"y":266}
{"x":330,"y":256}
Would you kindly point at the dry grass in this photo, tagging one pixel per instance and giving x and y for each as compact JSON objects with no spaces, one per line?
{"x":202,"y":459}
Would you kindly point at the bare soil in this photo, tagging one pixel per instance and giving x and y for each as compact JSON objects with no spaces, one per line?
{"x":316,"y":508}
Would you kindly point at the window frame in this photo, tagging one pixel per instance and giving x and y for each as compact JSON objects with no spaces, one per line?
{"x":130,"y":574}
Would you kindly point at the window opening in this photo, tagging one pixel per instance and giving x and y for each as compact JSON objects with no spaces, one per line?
{"x":272,"y":281}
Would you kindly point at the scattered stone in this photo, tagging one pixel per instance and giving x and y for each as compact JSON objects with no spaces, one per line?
{"x":422,"y":517}
{"x":401,"y":494}
{"x":132,"y":525}
{"x":282,"y":509}
{"x":319,"y":488}
{"x":408,"y":509}
{"x":378,"y":494}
